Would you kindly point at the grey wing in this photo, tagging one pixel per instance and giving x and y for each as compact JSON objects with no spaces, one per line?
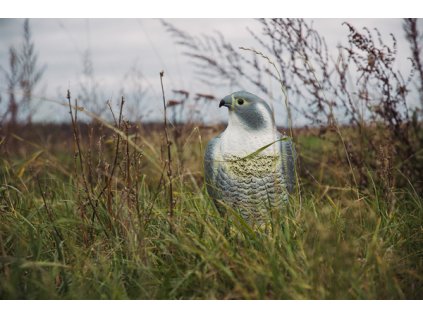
{"x":210,"y":166}
{"x":288,"y":161}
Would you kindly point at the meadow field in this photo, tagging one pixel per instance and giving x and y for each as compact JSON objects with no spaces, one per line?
{"x":115,"y":207}
{"x":85,"y":214}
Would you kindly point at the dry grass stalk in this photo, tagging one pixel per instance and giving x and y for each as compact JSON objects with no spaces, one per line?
{"x":168,"y":162}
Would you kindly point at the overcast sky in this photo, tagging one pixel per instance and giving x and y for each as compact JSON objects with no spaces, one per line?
{"x":119,"y":45}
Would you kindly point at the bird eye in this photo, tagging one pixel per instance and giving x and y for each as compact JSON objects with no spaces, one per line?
{"x":240,"y":101}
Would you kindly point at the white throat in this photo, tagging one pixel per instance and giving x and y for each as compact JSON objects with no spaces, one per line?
{"x":240,"y":140}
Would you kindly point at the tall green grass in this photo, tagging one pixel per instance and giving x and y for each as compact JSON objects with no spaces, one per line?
{"x":328,"y":245}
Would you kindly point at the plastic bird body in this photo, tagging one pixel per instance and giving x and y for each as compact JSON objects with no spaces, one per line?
{"x":249,"y":167}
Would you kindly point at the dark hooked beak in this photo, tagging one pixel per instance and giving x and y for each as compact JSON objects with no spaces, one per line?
{"x":227,"y":102}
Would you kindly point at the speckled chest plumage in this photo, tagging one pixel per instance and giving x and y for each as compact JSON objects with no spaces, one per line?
{"x":251,"y":185}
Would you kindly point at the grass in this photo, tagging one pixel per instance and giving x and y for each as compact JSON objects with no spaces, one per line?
{"x":328,"y":245}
